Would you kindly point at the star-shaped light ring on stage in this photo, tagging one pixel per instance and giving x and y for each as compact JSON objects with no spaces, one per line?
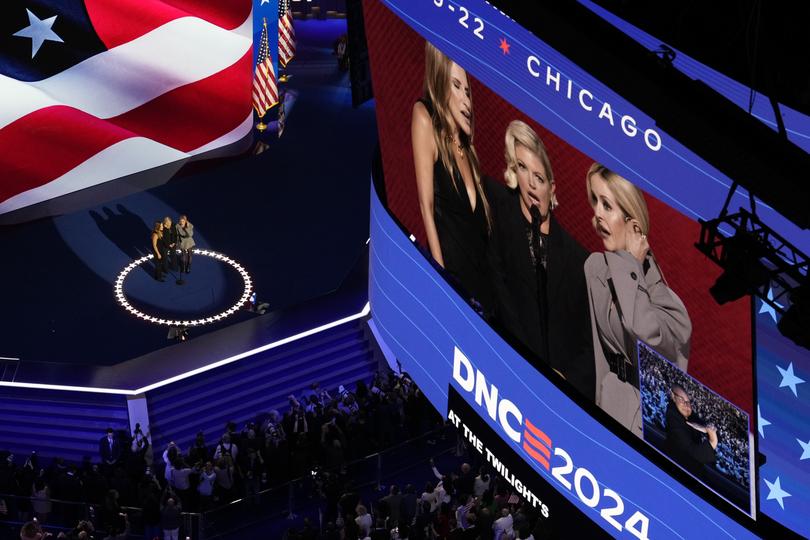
{"x":122,"y":299}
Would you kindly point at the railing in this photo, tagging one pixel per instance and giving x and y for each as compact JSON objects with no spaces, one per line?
{"x":283,"y":500}
{"x":8,"y":368}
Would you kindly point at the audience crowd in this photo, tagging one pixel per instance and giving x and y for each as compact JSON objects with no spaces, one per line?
{"x":466,"y":504}
{"x":658,"y":376}
{"x":320,"y":431}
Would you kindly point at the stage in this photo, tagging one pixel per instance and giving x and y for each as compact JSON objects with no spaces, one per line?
{"x":296,"y":223}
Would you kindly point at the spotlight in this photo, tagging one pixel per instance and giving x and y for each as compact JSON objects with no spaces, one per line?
{"x":743,"y":272}
{"x":795,"y":323}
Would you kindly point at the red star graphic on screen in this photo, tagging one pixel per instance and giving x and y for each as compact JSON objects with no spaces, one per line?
{"x":504,"y":46}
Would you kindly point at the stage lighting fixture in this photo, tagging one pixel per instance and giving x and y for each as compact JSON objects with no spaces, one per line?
{"x":743,"y":272}
{"x":795,"y":323}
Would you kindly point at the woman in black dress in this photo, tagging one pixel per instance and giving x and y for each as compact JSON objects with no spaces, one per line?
{"x":159,"y":250}
{"x":454,"y":208}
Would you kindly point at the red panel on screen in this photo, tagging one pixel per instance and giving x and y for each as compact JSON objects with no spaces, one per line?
{"x":721,"y":351}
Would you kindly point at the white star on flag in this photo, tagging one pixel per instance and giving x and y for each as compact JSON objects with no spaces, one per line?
{"x":767,"y":308}
{"x":776,"y":492}
{"x":761,"y":423}
{"x":789,"y":379}
{"x":39,"y":31}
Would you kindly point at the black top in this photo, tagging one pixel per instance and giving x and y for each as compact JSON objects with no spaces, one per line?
{"x":170,"y":236}
{"x":162,"y":244}
{"x":554,"y":324}
{"x":463,"y":233}
{"x":687,"y":446}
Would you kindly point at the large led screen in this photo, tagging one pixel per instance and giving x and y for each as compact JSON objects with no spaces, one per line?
{"x":563,"y":220}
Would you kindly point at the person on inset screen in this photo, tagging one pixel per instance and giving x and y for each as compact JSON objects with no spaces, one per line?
{"x":159,"y":250}
{"x":540,"y":279}
{"x":184,"y":232}
{"x":628,"y":297}
{"x":454,"y":208}
{"x":692,"y":442}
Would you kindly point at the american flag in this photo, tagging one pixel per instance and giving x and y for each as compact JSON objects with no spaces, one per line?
{"x":783,"y":409}
{"x":265,"y":92}
{"x":95,"y":90}
{"x":286,"y":33}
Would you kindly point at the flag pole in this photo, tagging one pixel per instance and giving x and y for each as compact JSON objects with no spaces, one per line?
{"x":261,"y":126}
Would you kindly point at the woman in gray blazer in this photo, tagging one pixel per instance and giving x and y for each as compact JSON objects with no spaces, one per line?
{"x":185,"y":241}
{"x":629,"y":299}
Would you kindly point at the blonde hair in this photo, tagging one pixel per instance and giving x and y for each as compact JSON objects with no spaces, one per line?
{"x":519,"y":132}
{"x":627,"y":196}
{"x":437,"y":93}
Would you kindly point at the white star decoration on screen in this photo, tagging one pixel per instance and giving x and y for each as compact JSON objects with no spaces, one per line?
{"x":776,"y":491}
{"x":789,"y":379}
{"x":38,"y":31}
{"x":761,"y":423}
{"x":805,"y":449}
{"x":767,"y":308}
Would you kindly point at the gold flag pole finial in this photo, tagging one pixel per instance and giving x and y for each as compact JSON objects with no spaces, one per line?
{"x":261,"y":126}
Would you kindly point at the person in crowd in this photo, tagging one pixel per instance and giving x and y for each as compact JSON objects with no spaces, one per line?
{"x":184,"y":233}
{"x":226,"y":476}
{"x":539,"y":267}
{"x":481,"y":483}
{"x":198,"y":453}
{"x":41,"y":503}
{"x":109,"y":447}
{"x":502,"y":528}
{"x":179,"y":480}
{"x":170,"y":243}
{"x":252,"y":472}
{"x":691,"y":442}
{"x":119,"y":528}
{"x":159,"y":249}
{"x":628,"y":297}
{"x":226,"y":448}
{"x":454,"y":208}
{"x":363,"y":520}
{"x":205,"y":487}
{"x":393,"y":504}
{"x":170,"y":457}
{"x":140,"y":446}
{"x":408,"y":505}
{"x":170,"y":518}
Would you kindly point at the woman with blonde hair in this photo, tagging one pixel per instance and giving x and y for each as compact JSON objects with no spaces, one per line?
{"x":540,"y":283}
{"x":628,"y":297}
{"x":454,"y":209}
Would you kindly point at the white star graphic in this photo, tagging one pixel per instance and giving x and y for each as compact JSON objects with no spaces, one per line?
{"x":789,"y":379}
{"x":805,"y":449}
{"x":761,"y":423}
{"x":767,"y":308}
{"x":776,"y":492}
{"x":264,"y":2}
{"x":38,"y":31}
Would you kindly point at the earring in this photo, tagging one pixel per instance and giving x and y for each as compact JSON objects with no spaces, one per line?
{"x":554,"y":203}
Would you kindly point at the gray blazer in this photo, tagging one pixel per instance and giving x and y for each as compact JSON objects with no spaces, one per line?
{"x":185,"y":236}
{"x":649,"y":310}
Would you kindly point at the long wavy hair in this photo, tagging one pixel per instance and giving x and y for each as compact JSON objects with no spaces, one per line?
{"x":437,"y":92}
